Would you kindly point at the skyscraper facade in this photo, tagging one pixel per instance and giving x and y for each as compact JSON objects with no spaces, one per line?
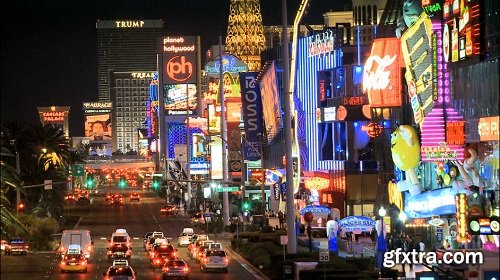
{"x":129,"y":92}
{"x":125,"y":46}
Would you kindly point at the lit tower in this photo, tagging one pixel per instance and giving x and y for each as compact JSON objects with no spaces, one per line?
{"x":245,"y":33}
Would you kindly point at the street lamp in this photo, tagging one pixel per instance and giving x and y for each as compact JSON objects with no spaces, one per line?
{"x":381,"y":243}
{"x":18,"y":169}
{"x":382,"y":212}
{"x":402,"y":217}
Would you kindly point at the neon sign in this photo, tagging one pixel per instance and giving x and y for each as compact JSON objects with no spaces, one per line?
{"x":381,"y":76}
{"x":316,"y":183}
{"x":323,"y":43}
{"x":372,"y":129}
{"x":56,"y":116}
{"x":488,"y":128}
{"x":461,"y":31}
{"x":417,"y":54}
{"x":442,"y":152}
{"x":129,"y":23}
{"x":455,"y":133}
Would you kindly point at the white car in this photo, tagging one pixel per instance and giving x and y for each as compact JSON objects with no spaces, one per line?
{"x":214,"y":260}
{"x":184,"y":239}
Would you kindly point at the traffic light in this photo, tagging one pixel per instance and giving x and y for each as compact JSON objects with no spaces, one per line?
{"x":245,"y":205}
{"x":21,"y":207}
{"x":90,"y":181}
{"x":123,"y":183}
{"x":156,"y":184}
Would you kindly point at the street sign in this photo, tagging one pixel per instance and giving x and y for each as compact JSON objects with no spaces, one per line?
{"x":47,"y":184}
{"x":324,"y":255}
{"x":283,"y":239}
{"x":227,"y":189}
{"x":78,"y":169}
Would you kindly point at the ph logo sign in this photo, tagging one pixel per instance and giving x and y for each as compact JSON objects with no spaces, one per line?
{"x":179,"y":68}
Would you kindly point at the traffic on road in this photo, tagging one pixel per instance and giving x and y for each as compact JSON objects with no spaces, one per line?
{"x":135,"y":240}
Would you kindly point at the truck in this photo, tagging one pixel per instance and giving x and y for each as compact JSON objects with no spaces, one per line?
{"x":16,"y":246}
{"x":76,"y":236}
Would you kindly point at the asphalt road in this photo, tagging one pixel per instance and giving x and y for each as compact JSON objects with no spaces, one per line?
{"x":102,"y":220}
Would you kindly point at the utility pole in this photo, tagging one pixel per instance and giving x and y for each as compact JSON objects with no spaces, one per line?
{"x":290,"y":209}
{"x":162,"y":130}
{"x":18,"y":169}
{"x":263,"y":171}
{"x":225,"y":195}
{"x":188,"y":151}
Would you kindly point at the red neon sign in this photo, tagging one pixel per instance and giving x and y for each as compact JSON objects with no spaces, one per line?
{"x":382,"y":73}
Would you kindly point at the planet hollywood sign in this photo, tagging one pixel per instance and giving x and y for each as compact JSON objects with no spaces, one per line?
{"x":323,"y":43}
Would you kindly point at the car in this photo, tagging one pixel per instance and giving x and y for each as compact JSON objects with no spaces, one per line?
{"x":74,"y":259}
{"x":214,"y":260}
{"x":184,"y":239}
{"x":162,"y":253}
{"x":188,"y":230}
{"x":168,"y":209}
{"x":195,"y":248}
{"x":175,"y":268}
{"x":119,"y":251}
{"x":203,"y":248}
{"x":83,"y":199}
{"x":109,"y":197}
{"x":17,"y":246}
{"x":197,"y":219}
{"x":4,"y":245}
{"x":70,"y":197}
{"x":118,"y":200}
{"x":81,"y":237}
{"x":135,"y":196}
{"x":124,"y":272}
{"x":214,"y":246}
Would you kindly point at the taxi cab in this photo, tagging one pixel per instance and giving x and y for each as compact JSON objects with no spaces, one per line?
{"x":74,"y":260}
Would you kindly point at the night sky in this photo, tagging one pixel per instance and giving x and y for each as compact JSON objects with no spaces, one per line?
{"x":49,"y":52}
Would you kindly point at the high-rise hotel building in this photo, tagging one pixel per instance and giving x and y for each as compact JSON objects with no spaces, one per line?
{"x":126,"y":56}
{"x":129,"y":92}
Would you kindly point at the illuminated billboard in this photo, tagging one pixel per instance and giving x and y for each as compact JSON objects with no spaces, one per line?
{"x":213,"y":120}
{"x":382,"y":73}
{"x":98,"y":127}
{"x":179,"y":59}
{"x":176,"y":98}
{"x":270,"y":103}
{"x":461,"y":30}
{"x":231,"y":66}
{"x":216,"y":158}
{"x":92,"y":108}
{"x":417,"y":54}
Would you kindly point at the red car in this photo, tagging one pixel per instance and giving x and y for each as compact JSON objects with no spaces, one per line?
{"x":135,"y":196}
{"x":161,"y":254}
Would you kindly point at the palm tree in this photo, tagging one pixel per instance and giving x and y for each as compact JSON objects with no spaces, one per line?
{"x":10,"y":224}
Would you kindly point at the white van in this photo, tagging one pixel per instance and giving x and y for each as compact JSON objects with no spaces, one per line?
{"x":120,"y":236}
{"x":76,"y":236}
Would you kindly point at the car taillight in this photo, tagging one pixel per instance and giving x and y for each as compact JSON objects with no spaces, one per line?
{"x":63,"y":263}
{"x":226,"y":260}
{"x":129,"y":252}
{"x":204,"y":260}
{"x":166,"y":269}
{"x":186,"y":269}
{"x":109,"y":252}
{"x":89,"y":248}
{"x":83,"y":263}
{"x":175,"y":254}
{"x":157,"y":261}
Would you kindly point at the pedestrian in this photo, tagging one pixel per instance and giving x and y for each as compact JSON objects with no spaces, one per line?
{"x":280,"y":218}
{"x":421,"y":246}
